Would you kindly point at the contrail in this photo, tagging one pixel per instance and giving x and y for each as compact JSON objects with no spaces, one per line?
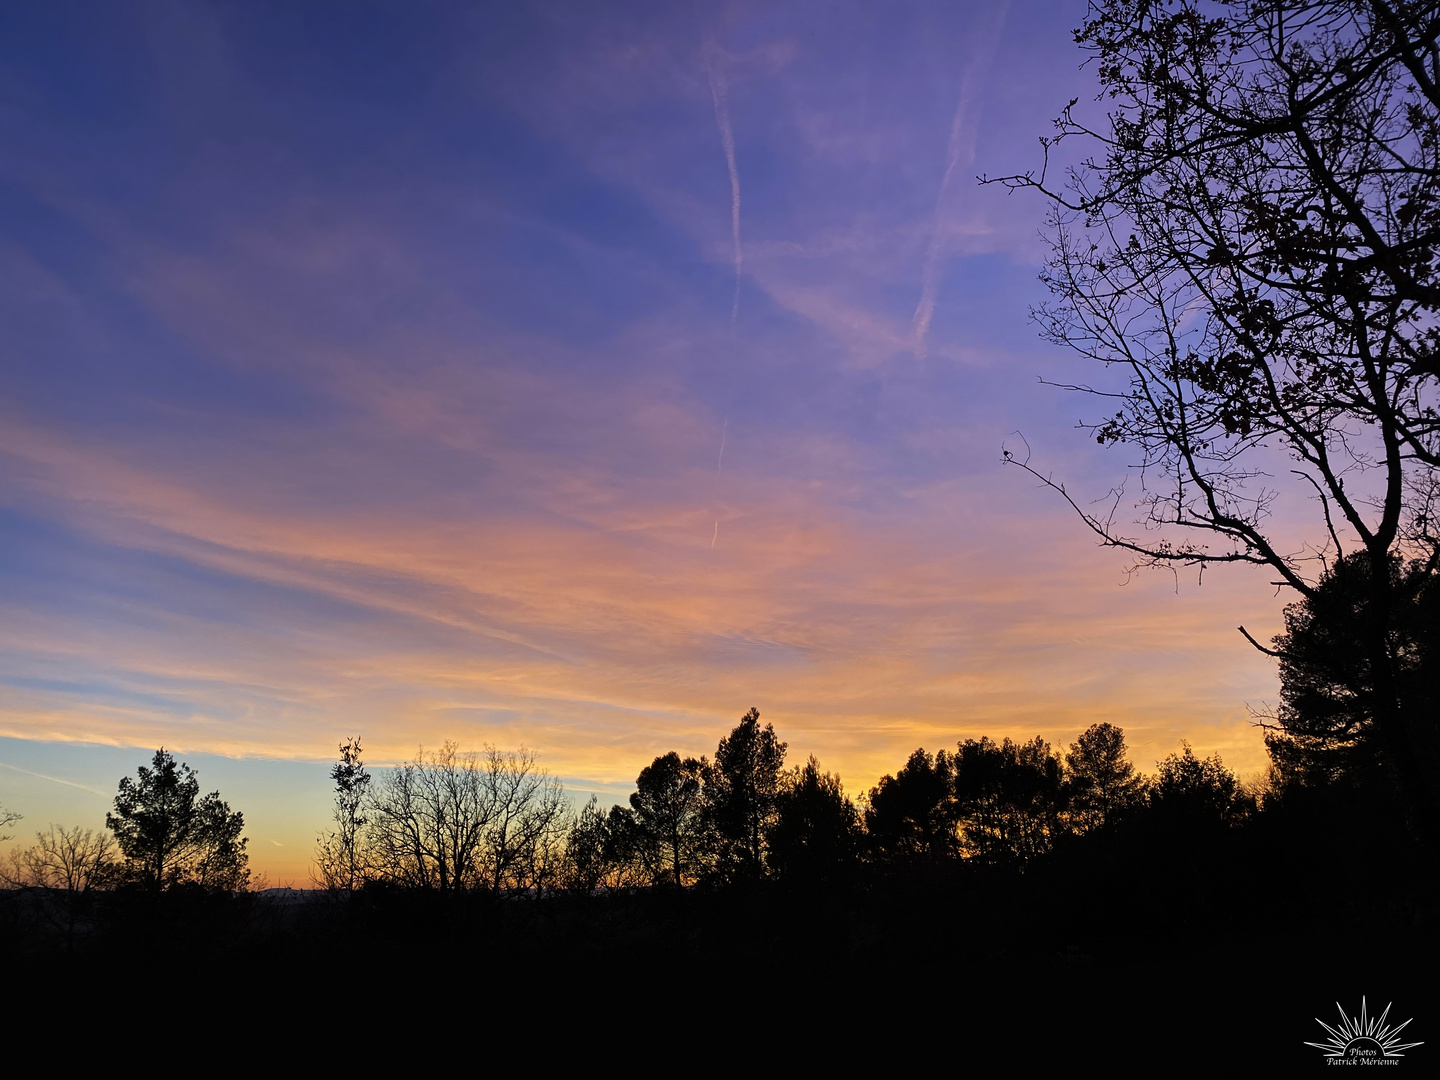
{"x":54,"y":779}
{"x":719,"y":97}
{"x":718,"y":94}
{"x":961,"y":145}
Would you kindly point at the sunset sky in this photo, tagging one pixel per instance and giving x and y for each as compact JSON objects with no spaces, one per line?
{"x":566,"y":375}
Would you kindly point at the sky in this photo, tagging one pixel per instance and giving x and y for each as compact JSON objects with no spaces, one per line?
{"x":572,"y":376}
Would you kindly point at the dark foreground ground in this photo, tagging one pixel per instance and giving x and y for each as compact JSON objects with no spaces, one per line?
{"x":1208,"y":952}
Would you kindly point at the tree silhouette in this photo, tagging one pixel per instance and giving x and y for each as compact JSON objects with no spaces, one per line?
{"x":426,"y":821}
{"x":1254,"y":243}
{"x":1325,"y":729}
{"x":1008,"y":798}
{"x":630,"y":853}
{"x":452,"y":821}
{"x":1099,"y":780}
{"x":170,"y":835}
{"x":1198,"y":791}
{"x":996,"y":803}
{"x":338,"y":854}
{"x":587,"y":849}
{"x":525,"y":846}
{"x":742,"y":789}
{"x":69,"y":860}
{"x":912,"y":814}
{"x":816,"y":835}
{"x":669,"y":817}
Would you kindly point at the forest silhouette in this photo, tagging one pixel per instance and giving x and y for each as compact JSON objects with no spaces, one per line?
{"x":1013,"y":855}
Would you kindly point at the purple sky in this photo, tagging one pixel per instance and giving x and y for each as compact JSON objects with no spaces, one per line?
{"x":567,"y":375}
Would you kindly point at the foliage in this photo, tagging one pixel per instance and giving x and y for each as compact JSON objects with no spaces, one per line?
{"x":670,"y":821}
{"x":170,"y":835}
{"x":629,"y":853}
{"x":586,"y":861}
{"x":1099,"y":781}
{"x":1008,"y":798}
{"x":912,"y":814}
{"x":992,"y":802}
{"x":742,"y":791}
{"x":451,"y":822}
{"x":338,"y":854}
{"x":1200,"y":791}
{"x":816,"y":834}
{"x":1325,"y":731}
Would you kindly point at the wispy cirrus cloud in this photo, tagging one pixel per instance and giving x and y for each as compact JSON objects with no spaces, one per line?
{"x":394,"y":392}
{"x":959,"y":154}
{"x":719,"y":93}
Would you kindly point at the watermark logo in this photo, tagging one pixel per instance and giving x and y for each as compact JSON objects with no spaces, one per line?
{"x":1363,"y":1039}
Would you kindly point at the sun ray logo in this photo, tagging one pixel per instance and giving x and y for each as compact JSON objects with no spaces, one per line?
{"x":1363,"y":1040}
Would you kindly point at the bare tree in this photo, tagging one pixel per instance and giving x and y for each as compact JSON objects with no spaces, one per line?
{"x":525,"y":840}
{"x":65,"y":860}
{"x":1255,"y":244}
{"x":427,"y":821}
{"x":7,"y":818}
{"x":64,"y":866}
{"x":454,"y":821}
